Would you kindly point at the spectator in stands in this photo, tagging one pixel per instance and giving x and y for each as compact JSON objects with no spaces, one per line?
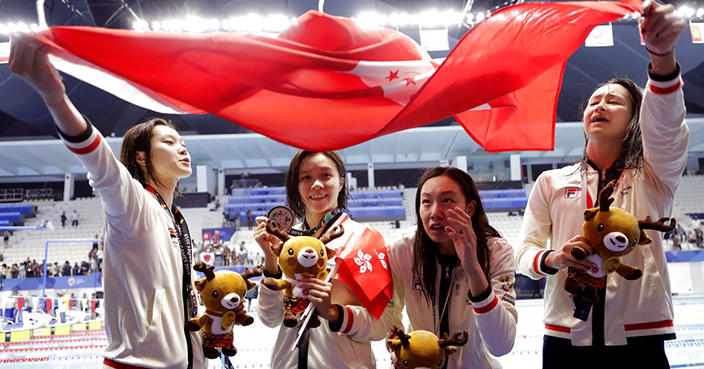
{"x":225,"y":255}
{"x":6,"y":240}
{"x":85,"y":268}
{"x":28,"y":269}
{"x":639,"y":143}
{"x":453,"y":247}
{"x":76,"y":269}
{"x":250,"y":219}
{"x":66,"y":270}
{"x":63,"y":219}
{"x":316,"y":192}
{"x":74,"y":218}
{"x":148,"y":294}
{"x":15,"y":271}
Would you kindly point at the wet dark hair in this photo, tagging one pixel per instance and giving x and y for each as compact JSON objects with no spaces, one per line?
{"x":294,"y":169}
{"x":139,"y":138}
{"x":632,"y":150}
{"x":425,"y":249}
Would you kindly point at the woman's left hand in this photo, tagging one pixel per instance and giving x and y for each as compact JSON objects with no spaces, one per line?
{"x":661,"y":26}
{"x":460,"y":230}
{"x":319,"y":293}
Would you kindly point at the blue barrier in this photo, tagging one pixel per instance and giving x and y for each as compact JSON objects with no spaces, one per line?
{"x":256,"y":198}
{"x":504,"y":204}
{"x":78,"y":281}
{"x":370,"y":194}
{"x":258,"y":191}
{"x":261,"y":206}
{"x":21,"y":208}
{"x":685,"y":256}
{"x":14,"y":216}
{"x":378,"y":213}
{"x":518,"y":192}
{"x":4,"y":222}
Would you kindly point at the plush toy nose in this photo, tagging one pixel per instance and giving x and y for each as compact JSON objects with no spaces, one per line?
{"x":616,"y":241}
{"x":307,"y":257}
{"x":231,"y":300}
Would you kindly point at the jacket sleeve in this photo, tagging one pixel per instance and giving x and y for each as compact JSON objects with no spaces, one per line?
{"x":535,"y":231}
{"x":665,"y":133}
{"x":123,"y":197}
{"x":270,"y":306}
{"x":360,"y":325}
{"x":495,"y":310}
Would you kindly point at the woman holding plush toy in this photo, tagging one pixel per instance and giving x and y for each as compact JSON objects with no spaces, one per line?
{"x":639,"y":143}
{"x":316,"y":192}
{"x":148,"y":251}
{"x":453,"y":271}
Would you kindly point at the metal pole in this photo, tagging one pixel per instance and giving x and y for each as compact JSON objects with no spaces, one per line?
{"x":46,"y":254}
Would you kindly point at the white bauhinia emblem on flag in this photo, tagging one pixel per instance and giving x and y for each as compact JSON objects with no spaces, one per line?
{"x":362,"y":260}
{"x":381,"y":257}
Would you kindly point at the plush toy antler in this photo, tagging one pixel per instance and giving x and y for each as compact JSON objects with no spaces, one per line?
{"x":660,"y":225}
{"x":336,"y":233}
{"x":459,"y":339}
{"x":402,"y":336}
{"x":605,"y":199}
{"x":205,"y":269}
{"x":274,"y":229}
{"x":255,"y":272}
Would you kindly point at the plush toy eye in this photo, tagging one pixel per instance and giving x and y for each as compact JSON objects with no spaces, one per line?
{"x":405,"y":363}
{"x":290,"y":252}
{"x":634,"y":242}
{"x":322,"y":253}
{"x":600,"y":227}
{"x":440,"y":364}
{"x":215,"y":294}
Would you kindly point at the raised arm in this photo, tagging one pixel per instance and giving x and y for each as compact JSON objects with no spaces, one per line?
{"x":29,"y":60}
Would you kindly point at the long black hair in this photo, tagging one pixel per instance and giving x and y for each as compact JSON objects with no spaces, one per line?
{"x":425,"y":249}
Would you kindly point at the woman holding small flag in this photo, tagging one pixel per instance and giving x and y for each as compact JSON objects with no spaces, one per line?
{"x":317,"y":192}
{"x":637,"y":141}
{"x":453,"y":271}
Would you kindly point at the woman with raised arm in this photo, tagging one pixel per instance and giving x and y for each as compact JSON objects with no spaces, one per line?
{"x":638,"y":141}
{"x":148,"y":252}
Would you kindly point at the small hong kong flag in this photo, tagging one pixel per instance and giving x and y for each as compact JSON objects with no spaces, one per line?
{"x":365,"y":268}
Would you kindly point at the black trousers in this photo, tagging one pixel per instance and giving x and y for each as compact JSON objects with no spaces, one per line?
{"x":640,"y":352}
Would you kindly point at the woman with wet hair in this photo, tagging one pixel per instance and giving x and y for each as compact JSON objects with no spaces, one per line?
{"x":638,"y":142}
{"x":148,"y":252}
{"x":453,"y":271}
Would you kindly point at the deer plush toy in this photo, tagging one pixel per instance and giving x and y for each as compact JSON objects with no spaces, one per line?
{"x":299,"y":257}
{"x":221,"y":293}
{"x":422,"y":349}
{"x":612,"y":233}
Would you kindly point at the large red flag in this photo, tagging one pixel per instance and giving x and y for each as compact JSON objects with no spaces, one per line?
{"x":326,"y":84}
{"x":364,"y":267}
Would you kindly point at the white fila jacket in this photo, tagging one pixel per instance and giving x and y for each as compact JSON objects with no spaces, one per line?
{"x":142,"y":269}
{"x":490,"y":322}
{"x":555,"y":214}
